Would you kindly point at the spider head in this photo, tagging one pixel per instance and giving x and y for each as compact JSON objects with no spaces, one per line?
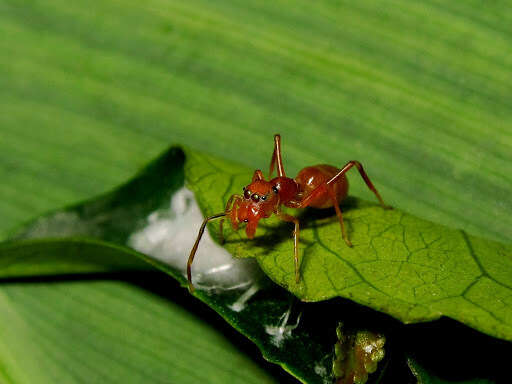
{"x":258,"y":202}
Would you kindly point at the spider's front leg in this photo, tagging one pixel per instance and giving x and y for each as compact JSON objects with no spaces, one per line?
{"x":231,"y":207}
{"x":296,"y":231}
{"x":230,"y":210}
{"x":194,"y":248}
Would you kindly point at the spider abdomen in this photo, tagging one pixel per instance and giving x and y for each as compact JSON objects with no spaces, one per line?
{"x":310,"y":178}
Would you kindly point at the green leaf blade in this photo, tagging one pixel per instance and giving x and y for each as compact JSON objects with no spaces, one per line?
{"x":65,"y":257}
{"x":340,"y":81}
{"x":407,"y":267}
{"x":214,"y":180}
{"x":107,"y":331}
{"x":399,"y":264}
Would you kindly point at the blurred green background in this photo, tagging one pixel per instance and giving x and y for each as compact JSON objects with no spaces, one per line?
{"x":419,"y":91}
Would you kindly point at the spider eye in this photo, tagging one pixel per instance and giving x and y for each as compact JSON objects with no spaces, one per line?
{"x":274,"y":188}
{"x":264,"y":197}
{"x":255,"y":198}
{"x":247,"y":193}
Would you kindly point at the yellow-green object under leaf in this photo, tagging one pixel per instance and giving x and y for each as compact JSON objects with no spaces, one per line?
{"x":356,"y":355}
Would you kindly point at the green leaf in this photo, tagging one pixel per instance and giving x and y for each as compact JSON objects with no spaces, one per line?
{"x":117,"y":216}
{"x":130,"y":329}
{"x":304,"y":351}
{"x":75,"y":256}
{"x":399,"y":87}
{"x":296,"y":335}
{"x":299,"y":337}
{"x":399,"y":264}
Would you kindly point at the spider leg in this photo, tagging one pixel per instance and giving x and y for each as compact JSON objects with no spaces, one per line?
{"x":296,"y":230}
{"x":369,"y":184}
{"x":276,"y":158}
{"x":336,"y":205}
{"x":323,"y":188}
{"x":233,"y":199}
{"x":194,"y":248}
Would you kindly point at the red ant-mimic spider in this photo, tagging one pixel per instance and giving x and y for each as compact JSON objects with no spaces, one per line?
{"x":318,"y":186}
